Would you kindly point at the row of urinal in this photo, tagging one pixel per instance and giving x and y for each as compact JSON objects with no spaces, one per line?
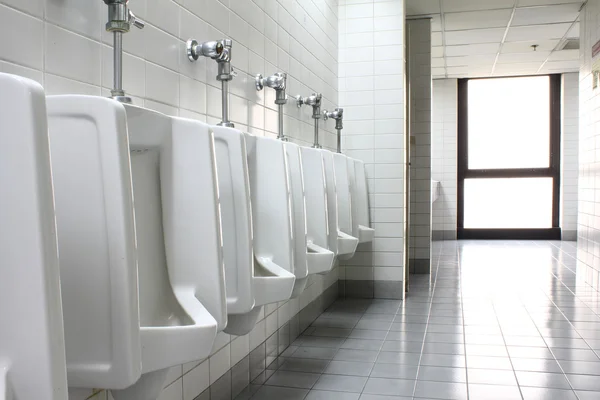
{"x":168,"y":230}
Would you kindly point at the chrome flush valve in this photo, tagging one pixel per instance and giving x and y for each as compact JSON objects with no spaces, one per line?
{"x":277,"y":81}
{"x":337,"y":115}
{"x":314,"y":101}
{"x":120,"y":20}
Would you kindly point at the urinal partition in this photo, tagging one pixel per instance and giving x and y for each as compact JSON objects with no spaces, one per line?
{"x":96,"y":236}
{"x":361,"y":226}
{"x":319,"y":259}
{"x":236,"y":218}
{"x":346,"y":239}
{"x":32,"y":359}
{"x":272,"y":220}
{"x":181,"y":277}
{"x":298,"y":208}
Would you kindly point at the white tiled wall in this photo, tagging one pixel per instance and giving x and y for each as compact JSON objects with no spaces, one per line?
{"x":444,"y":156}
{"x":570,"y":155}
{"x":418,"y":36}
{"x":588,"y":224}
{"x":371,"y":89}
{"x":63,"y":45}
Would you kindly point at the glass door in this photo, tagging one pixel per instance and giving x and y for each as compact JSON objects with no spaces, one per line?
{"x":508,"y":158}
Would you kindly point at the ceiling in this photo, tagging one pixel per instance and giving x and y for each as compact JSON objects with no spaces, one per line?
{"x":479,"y":38}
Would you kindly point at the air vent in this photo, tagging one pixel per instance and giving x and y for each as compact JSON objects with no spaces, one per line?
{"x":568,"y":44}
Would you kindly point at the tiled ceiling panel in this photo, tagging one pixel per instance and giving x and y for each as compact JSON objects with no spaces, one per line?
{"x":545,"y":14}
{"x":478,"y":38}
{"x":477,"y":19}
{"x":473,"y":36}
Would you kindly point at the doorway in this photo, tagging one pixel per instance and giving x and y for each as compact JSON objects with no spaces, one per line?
{"x":509,"y":158}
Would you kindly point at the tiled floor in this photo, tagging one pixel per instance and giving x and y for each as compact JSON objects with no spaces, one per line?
{"x":496,"y":320}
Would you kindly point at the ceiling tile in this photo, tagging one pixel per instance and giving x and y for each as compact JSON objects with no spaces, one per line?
{"x":545,"y":15}
{"x":537,"y":32}
{"x":477,"y":19}
{"x":457,"y":70}
{"x":537,"y":56}
{"x":422,"y":7}
{"x":525,"y":3}
{"x":564,"y":55}
{"x":524,"y":47}
{"x":574,"y":32}
{"x":437,"y":63}
{"x":562,"y":66}
{"x":474,"y":36}
{"x":437,"y":51}
{"x":471,"y":61}
{"x":438,"y":71}
{"x":470,"y":5}
{"x":517,"y":68}
{"x":436,"y":38}
{"x":472,"y":49}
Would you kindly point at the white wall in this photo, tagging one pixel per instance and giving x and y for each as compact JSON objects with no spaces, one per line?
{"x":63,"y":45}
{"x":371,"y":89}
{"x":569,"y":155}
{"x":588,"y":226}
{"x":444,"y":157}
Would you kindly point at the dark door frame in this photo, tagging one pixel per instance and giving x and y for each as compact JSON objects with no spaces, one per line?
{"x":553,"y":171}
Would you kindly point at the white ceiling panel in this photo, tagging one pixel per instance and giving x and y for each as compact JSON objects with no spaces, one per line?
{"x":420,"y":7}
{"x":484,"y":37}
{"x":531,"y":56}
{"x":472,"y":61}
{"x":545,"y":14}
{"x":470,"y":5}
{"x":477,"y":19}
{"x":524,"y":47}
{"x":537,"y":32}
{"x":525,"y":3}
{"x":472,"y":49}
{"x":564,"y":55}
{"x":473,"y":36}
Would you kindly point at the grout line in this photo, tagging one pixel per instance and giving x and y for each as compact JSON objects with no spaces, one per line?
{"x":512,"y":16}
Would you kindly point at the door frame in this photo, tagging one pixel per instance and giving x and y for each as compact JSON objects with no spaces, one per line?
{"x":553,"y":233}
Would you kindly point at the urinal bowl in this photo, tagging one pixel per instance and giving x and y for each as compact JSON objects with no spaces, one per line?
{"x":319,"y":258}
{"x":360,"y":201}
{"x":32,"y":347}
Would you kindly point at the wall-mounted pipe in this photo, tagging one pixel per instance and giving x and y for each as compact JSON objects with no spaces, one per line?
{"x":338,"y":115}
{"x":120,"y":20}
{"x":220,"y":51}
{"x":315,"y":102}
{"x":277,"y":81}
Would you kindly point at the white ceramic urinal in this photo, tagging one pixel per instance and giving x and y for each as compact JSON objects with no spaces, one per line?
{"x":256,"y":208}
{"x":360,"y":201}
{"x":181,"y":275}
{"x":340,"y":237}
{"x":298,"y":206}
{"x":32,"y":348}
{"x":102,"y":246}
{"x":319,"y":258}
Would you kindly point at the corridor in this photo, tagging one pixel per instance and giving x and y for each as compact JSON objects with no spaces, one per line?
{"x":495,"y":320}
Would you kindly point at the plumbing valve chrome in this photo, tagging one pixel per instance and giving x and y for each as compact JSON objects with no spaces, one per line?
{"x":338,"y":116}
{"x":277,"y":81}
{"x":315,"y":102}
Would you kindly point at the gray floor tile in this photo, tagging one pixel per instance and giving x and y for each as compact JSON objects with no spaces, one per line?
{"x":278,"y":393}
{"x":394,"y":357}
{"x":293,"y":379}
{"x":580,"y":367}
{"x":349,"y":368}
{"x":443,"y":360}
{"x":444,"y":348}
{"x":442,"y":374}
{"x":318,"y":341}
{"x":483,"y":362}
{"x":587,"y":395}
{"x":340,"y":383}
{"x":494,"y":392}
{"x":542,"y":379}
{"x":328,"y":395}
{"x":536,"y":365}
{"x":379,"y":397}
{"x":584,"y":382}
{"x":492,"y":377}
{"x":362,"y":344}
{"x":402,"y":346}
{"x":304,"y":365}
{"x":389,"y":387}
{"x":547,"y":394}
{"x":367,"y":334}
{"x":441,"y":390}
{"x":356,"y":355}
{"x":321,"y":353}
{"x":394,"y":371}
{"x":405,"y":336}
{"x":374,"y":325}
